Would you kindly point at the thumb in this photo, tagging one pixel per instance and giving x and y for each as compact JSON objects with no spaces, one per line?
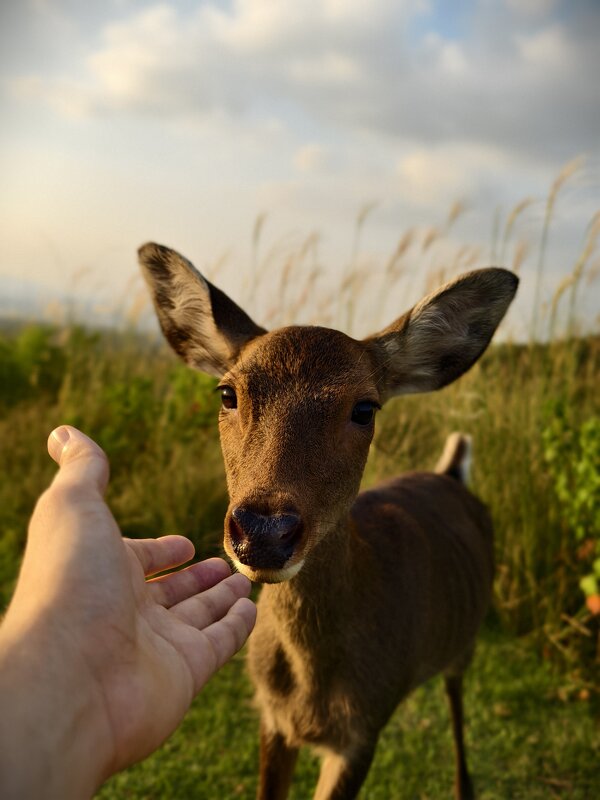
{"x":82,"y":462}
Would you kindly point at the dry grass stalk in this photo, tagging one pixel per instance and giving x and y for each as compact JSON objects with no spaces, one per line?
{"x":473,"y":258}
{"x":431,"y":235}
{"x":593,"y":272}
{"x":510,"y":223}
{"x":515,"y":214}
{"x":588,"y":249}
{"x":456,"y":210}
{"x":403,"y":245}
{"x":562,"y":287}
{"x":361,"y":218}
{"x":56,"y":312}
{"x":305,"y":296}
{"x":465,"y":257}
{"x":435,"y":277}
{"x":348,"y":282}
{"x":566,"y":172}
{"x":251,"y":280}
{"x":139,"y":303}
{"x":569,"y":169}
{"x":364,"y":212}
{"x":216,"y":268}
{"x":257,"y":230}
{"x":521,"y":252}
{"x":271,"y":316}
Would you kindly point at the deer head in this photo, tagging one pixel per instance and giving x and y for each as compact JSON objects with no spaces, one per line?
{"x":299,"y":403}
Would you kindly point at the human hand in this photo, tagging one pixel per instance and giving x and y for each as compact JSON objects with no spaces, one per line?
{"x":110,"y":660}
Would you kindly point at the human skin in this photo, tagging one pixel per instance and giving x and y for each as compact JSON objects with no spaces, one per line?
{"x":97,"y":664}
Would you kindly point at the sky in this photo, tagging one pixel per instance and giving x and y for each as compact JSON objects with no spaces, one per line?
{"x":183,"y":122}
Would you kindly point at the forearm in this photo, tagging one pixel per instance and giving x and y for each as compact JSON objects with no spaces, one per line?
{"x":51,"y":745}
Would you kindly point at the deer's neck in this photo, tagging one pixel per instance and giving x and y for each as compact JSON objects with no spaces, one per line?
{"x":308,"y":606}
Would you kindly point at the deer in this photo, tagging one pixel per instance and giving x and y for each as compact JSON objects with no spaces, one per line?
{"x":366,"y":595}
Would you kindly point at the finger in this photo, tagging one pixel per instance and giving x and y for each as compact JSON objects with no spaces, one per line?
{"x":156,"y":555}
{"x":82,"y":462}
{"x":177,"y":586}
{"x":203,"y":609}
{"x":224,"y":638}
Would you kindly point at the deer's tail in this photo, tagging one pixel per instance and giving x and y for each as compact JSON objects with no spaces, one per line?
{"x":456,"y":459}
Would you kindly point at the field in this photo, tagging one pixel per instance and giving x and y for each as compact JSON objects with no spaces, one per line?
{"x":533,"y":411}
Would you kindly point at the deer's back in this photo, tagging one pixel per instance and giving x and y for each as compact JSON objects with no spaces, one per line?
{"x":432,"y":540}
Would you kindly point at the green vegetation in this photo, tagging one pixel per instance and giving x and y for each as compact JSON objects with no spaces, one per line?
{"x":533,"y":413}
{"x":573,"y":456}
{"x":154,"y":418}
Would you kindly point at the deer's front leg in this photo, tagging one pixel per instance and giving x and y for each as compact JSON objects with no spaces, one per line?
{"x":342,"y":775}
{"x":277,"y":762}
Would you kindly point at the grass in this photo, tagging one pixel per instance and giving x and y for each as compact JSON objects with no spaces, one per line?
{"x":531,"y":702}
{"x":524,"y":740}
{"x":153,"y":417}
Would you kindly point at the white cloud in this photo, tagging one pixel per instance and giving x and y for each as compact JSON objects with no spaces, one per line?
{"x":448,"y":56}
{"x":310,"y":158}
{"x":333,"y":64}
{"x":532,"y":7}
{"x":434,"y":177}
{"x":426,"y":175}
{"x":547,"y":49}
{"x":328,"y":68}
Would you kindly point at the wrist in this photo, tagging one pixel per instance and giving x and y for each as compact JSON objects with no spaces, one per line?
{"x":53,"y":743}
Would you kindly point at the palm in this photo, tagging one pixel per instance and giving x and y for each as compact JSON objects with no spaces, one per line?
{"x":147,"y":646}
{"x":180,"y":638}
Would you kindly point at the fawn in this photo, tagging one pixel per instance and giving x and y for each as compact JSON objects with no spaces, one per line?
{"x":366,"y":595}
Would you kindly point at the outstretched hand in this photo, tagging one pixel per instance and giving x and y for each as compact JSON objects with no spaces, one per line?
{"x":122,"y":656}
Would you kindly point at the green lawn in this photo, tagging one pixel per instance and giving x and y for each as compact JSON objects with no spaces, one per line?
{"x":524,"y":742}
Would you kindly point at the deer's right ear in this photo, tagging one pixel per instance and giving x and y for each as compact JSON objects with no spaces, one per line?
{"x":202,"y":325}
{"x":444,"y":334}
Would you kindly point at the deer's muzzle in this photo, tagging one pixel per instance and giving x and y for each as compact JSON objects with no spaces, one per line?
{"x":264,"y":541}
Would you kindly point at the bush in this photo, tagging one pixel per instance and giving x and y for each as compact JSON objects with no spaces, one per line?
{"x":572,"y":453}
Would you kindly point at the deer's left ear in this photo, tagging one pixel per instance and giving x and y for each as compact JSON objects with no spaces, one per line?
{"x":444,"y":334}
{"x":204,"y":326}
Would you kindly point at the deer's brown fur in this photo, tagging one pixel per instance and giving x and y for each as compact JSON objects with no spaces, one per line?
{"x":366,"y":596}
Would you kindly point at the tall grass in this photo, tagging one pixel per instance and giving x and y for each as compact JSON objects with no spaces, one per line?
{"x":154,"y":417}
{"x":157,"y":420}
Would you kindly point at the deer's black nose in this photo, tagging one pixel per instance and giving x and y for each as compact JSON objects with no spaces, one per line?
{"x":264,"y":541}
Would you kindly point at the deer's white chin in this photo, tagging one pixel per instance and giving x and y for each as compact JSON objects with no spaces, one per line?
{"x":268,"y":575}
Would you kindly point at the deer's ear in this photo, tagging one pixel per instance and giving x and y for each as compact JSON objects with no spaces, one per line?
{"x":199,"y":321}
{"x":444,"y":334}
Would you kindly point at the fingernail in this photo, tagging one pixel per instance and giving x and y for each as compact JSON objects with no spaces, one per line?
{"x":59,"y":438}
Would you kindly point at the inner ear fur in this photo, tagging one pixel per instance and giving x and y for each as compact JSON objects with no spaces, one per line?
{"x":443,"y":336}
{"x":200,"y":322}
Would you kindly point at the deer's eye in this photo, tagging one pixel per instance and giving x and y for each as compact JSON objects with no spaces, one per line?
{"x":228,"y":397}
{"x":364,"y":412}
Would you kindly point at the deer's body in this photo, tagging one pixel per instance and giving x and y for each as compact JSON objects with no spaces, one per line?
{"x":372,"y":610}
{"x":366,"y":597}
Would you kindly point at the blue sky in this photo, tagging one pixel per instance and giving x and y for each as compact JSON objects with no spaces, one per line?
{"x":124,"y":121}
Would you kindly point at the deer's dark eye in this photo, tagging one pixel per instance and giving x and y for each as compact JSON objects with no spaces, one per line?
{"x":364,"y":412}
{"x":228,"y":397}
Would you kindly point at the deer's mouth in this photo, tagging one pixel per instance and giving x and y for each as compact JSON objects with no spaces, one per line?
{"x":269,"y":575}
